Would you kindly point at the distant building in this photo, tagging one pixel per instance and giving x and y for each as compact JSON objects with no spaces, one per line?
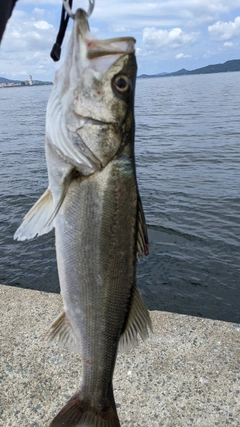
{"x":30,"y":82}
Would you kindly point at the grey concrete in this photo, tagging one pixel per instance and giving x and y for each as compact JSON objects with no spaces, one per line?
{"x":186,"y":374}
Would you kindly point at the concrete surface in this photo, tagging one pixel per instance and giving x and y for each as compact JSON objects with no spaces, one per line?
{"x":186,"y":374}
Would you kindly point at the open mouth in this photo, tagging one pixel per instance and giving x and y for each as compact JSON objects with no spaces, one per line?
{"x":97,"y":48}
{"x":117,"y":46}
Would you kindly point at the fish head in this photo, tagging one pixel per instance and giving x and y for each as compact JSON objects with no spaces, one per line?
{"x":94,"y":93}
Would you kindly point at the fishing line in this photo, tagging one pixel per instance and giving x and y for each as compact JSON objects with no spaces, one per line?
{"x":56,"y":49}
{"x":66,"y":14}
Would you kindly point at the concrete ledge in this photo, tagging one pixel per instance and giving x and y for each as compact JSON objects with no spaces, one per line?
{"x":186,"y":374}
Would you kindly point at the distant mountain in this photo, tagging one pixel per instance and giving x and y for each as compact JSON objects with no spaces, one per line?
{"x":233,"y":65}
{"x":146,"y":76}
{"x":3,"y":80}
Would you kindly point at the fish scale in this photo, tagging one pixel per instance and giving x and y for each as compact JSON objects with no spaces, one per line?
{"x":106,"y":233}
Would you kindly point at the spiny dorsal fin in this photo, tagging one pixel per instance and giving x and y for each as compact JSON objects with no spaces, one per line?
{"x":138,"y":323}
{"x":62,"y":330}
{"x":35,"y":222}
{"x":142,"y":235}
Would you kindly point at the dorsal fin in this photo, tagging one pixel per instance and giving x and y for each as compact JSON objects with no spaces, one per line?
{"x":142,"y":235}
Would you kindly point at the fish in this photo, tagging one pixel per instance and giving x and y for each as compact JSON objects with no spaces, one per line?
{"x":93,"y":202}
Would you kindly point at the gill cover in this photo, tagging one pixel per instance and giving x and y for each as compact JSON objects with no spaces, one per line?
{"x":90,"y":99}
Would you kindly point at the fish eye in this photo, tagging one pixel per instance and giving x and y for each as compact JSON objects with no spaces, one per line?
{"x":122,"y":83}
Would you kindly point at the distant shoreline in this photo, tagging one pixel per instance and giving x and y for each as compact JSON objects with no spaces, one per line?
{"x":6,"y":83}
{"x":227,"y":67}
{"x":154,"y":76}
{"x":4,"y":86}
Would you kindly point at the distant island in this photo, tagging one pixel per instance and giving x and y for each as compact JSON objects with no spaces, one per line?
{"x":15,"y":83}
{"x":229,"y":66}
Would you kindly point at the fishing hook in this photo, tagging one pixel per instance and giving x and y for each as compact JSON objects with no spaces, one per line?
{"x":71,"y":14}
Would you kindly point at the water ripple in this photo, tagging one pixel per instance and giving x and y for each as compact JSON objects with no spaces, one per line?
{"x":187,"y":155}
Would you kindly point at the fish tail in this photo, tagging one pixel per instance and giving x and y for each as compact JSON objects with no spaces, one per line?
{"x":83,"y":412}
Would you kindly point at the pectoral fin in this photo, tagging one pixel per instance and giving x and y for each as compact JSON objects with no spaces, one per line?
{"x":35,"y":222}
{"x":138,"y":323}
{"x":39,"y":220}
{"x":64,"y":189}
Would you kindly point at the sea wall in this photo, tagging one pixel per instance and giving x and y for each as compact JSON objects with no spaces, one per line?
{"x":185,"y":374}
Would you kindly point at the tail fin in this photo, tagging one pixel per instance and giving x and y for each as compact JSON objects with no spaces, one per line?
{"x":80,"y":412}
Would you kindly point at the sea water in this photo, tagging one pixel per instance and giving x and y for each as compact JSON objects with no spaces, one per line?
{"x":187,"y":150}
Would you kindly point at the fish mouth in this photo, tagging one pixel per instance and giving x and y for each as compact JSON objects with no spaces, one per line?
{"x":115,"y":46}
{"x":98,"y":48}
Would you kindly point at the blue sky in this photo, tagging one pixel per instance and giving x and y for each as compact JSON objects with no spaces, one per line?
{"x":170,"y":34}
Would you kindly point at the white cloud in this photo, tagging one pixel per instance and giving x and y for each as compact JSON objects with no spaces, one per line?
{"x":225,"y":30}
{"x":119,"y":29}
{"x":220,"y":49}
{"x":94,"y":30}
{"x":152,"y":37}
{"x":208,"y":54}
{"x":38,"y":12}
{"x":228,"y":44}
{"x":25,"y":34}
{"x":182,"y":56}
{"x":47,"y":2}
{"x":26,"y":46}
{"x":165,"y":13}
{"x":175,"y":30}
{"x":42,"y":25}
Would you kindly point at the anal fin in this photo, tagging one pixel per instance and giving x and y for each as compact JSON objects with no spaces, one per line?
{"x":62,"y":330}
{"x":138,"y":323}
{"x":35,"y":222}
